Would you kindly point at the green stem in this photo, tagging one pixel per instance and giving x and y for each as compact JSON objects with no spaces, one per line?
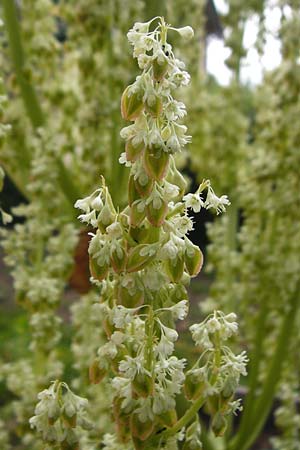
{"x":255,"y":359}
{"x":28,"y":93}
{"x":17,"y":54}
{"x":185,"y":419}
{"x":265,"y":401}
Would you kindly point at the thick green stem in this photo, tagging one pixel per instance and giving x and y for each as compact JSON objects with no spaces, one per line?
{"x":185,"y":419}
{"x":264,"y":404}
{"x":255,"y":359}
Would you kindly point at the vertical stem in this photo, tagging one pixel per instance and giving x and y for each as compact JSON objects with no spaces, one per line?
{"x":29,"y":96}
{"x":264,"y":404}
{"x":17,"y":54}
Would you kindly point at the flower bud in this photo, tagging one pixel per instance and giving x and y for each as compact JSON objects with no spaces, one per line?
{"x":141,"y":430}
{"x":194,"y":444}
{"x":131,"y":104}
{"x":156,"y":163}
{"x":193,"y":259}
{"x":138,"y":443}
{"x":187,"y":33}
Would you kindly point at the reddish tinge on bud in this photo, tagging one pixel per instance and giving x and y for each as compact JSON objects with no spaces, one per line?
{"x":96,"y":373}
{"x":141,"y":430}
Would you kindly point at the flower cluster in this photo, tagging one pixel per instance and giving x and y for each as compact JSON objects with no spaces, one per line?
{"x":141,"y":257}
{"x":217,"y":372}
{"x":58,"y":412}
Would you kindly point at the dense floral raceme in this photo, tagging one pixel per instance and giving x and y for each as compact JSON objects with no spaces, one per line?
{"x":142,"y":261}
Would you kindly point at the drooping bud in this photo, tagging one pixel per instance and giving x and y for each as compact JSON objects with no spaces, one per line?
{"x":137,"y":213}
{"x":118,"y":259}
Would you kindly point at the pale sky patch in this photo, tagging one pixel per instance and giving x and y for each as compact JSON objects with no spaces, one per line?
{"x":254,"y":64}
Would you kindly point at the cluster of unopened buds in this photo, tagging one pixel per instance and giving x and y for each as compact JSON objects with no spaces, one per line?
{"x":142,"y":261}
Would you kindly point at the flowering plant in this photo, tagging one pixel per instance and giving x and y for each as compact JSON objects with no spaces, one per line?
{"x":142,"y":261}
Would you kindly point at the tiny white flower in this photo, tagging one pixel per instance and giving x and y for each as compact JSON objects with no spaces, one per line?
{"x":215,"y":202}
{"x":193,"y":201}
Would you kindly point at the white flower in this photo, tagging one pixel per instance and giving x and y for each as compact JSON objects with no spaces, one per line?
{"x":193,"y":201}
{"x":187,"y":33}
{"x":123,"y":160}
{"x":179,"y":310}
{"x":215,"y":202}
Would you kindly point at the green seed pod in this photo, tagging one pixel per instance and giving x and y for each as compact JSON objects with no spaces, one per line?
{"x":156,"y":216}
{"x":156,"y":163}
{"x":154,"y":107}
{"x":137,"y":213}
{"x":219,"y":424}
{"x":98,"y":272}
{"x":174,"y":268}
{"x":160,"y":67}
{"x":144,"y":189}
{"x":141,"y":430}
{"x":118,"y":259}
{"x":131,"y":104}
{"x":128,"y":299}
{"x":193,"y":258}
{"x":140,"y":256}
{"x":133,"y":151}
{"x":142,"y":385}
{"x":138,"y":443}
{"x":192,"y":387}
{"x":133,"y":193}
{"x":168,"y":418}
